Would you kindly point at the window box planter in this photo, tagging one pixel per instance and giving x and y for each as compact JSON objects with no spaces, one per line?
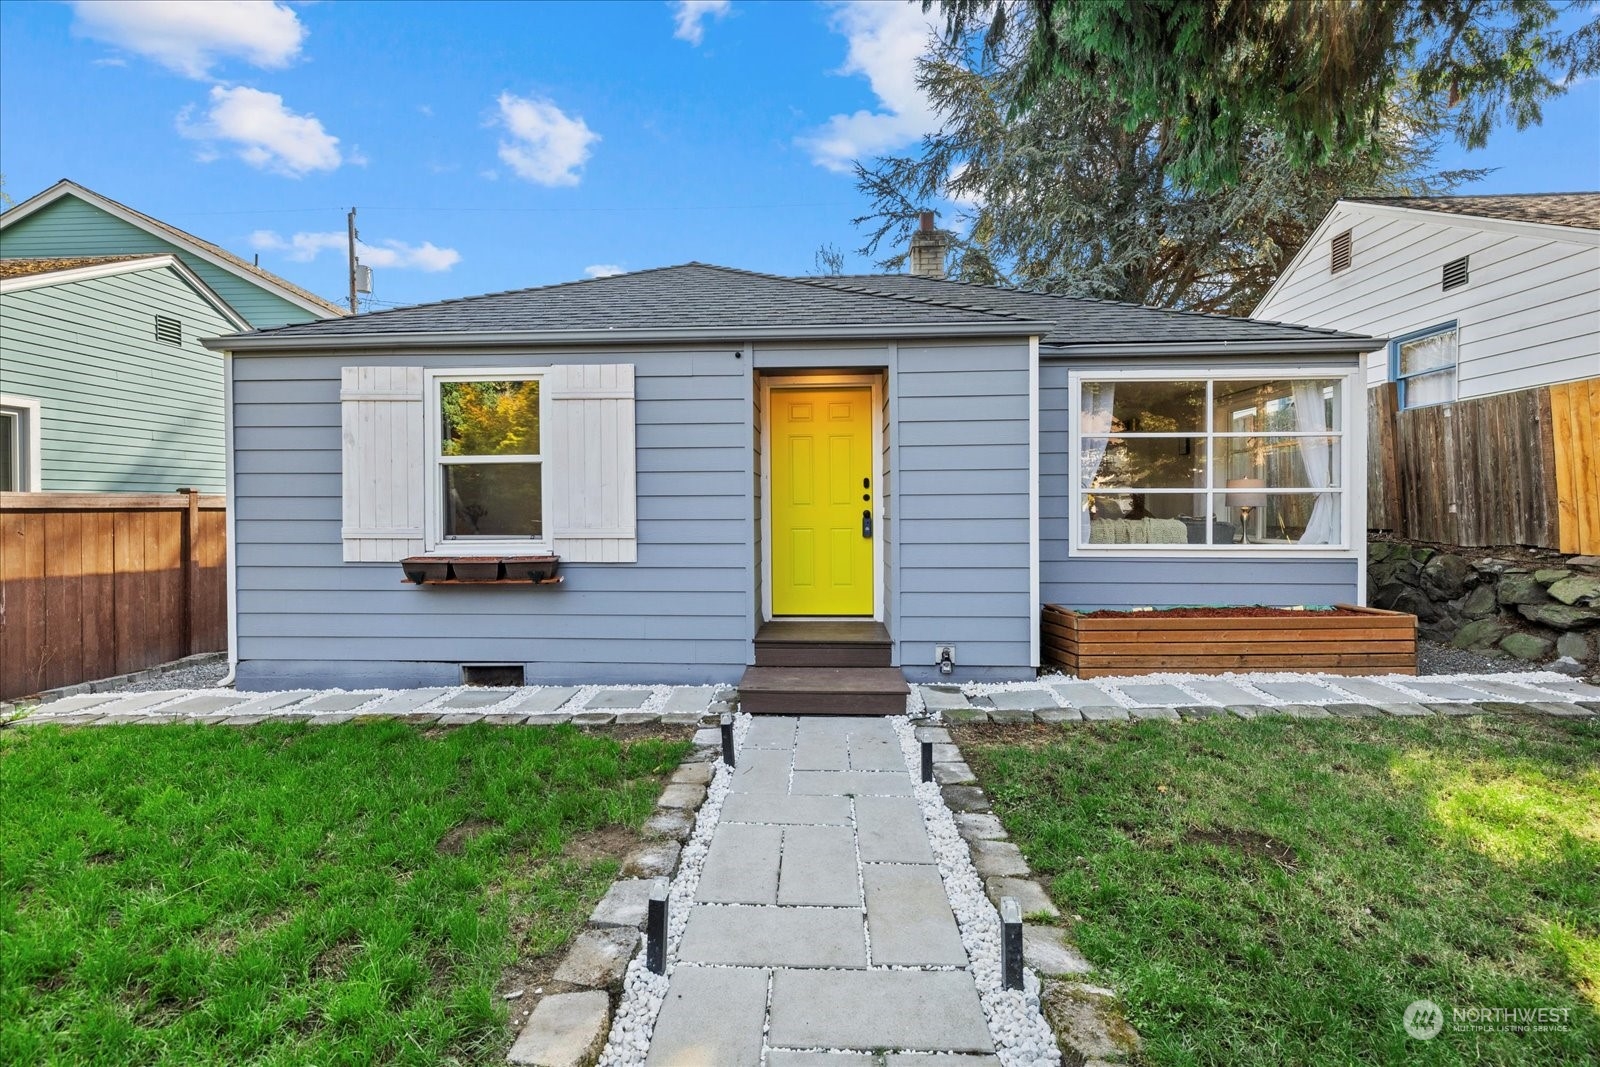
{"x":482,"y":570}
{"x":421,"y":570}
{"x":1354,"y":640}
{"x":475,"y":568}
{"x":532,"y":568}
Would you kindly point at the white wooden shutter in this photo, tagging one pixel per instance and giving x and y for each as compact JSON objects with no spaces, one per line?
{"x":385,"y":462}
{"x":590,"y":471}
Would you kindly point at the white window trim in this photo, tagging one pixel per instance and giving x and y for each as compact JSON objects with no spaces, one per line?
{"x":1352,"y":459}
{"x":26,"y":448}
{"x":433,"y":539}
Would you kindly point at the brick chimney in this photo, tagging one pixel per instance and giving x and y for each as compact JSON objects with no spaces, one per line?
{"x":928,"y":248}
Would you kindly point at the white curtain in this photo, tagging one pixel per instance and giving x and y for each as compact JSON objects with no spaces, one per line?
{"x":1317,"y":455}
{"x":1095,"y":426}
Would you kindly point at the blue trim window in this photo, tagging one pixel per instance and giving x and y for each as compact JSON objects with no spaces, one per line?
{"x":1423,"y":366}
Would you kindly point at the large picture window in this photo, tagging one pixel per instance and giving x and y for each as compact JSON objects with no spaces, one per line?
{"x":489,"y":462}
{"x":1228,"y":464}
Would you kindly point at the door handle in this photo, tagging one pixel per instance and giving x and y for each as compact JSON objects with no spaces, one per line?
{"x":866,"y":523}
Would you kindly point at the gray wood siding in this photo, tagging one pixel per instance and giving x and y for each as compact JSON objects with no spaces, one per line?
{"x":1528,"y":316}
{"x":71,"y":227}
{"x":1101,"y":582}
{"x":680,"y":614}
{"x":120,"y":410}
{"x":961,"y":508}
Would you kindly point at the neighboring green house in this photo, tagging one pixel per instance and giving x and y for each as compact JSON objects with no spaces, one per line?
{"x":104,"y":386}
{"x":67,"y":220}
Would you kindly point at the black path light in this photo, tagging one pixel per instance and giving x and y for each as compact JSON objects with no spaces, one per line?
{"x":727,"y":738}
{"x":1010,"y":943}
{"x":927,"y":761}
{"x":655,"y":928}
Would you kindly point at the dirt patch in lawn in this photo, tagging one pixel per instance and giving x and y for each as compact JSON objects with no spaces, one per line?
{"x":1224,"y":613}
{"x":1251,"y":844}
{"x":1026,"y":734}
{"x":455,"y":839}
{"x":605,"y":843}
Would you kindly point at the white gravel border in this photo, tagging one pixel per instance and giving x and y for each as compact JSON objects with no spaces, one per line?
{"x":643,"y":991}
{"x":1400,"y":683}
{"x":1022,"y":1037}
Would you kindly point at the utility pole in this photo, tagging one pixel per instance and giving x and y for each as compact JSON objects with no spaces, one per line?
{"x":350,"y":227}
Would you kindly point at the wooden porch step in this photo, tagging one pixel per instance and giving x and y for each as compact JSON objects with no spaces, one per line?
{"x":823,"y":691}
{"x":822,"y":644}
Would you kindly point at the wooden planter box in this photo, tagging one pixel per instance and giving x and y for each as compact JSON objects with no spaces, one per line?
{"x":1373,"y":642}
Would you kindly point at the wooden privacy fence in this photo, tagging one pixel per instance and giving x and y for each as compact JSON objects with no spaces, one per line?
{"x":1518,"y":468}
{"x":97,"y":584}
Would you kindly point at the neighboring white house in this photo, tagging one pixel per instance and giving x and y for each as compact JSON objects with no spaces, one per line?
{"x":1478,"y":294}
{"x":1484,"y":406}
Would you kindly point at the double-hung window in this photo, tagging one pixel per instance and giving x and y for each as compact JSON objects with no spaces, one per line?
{"x":1210,"y":463}
{"x":488,"y":482}
{"x":1423,"y":365}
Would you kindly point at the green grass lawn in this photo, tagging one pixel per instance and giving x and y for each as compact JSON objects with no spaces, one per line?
{"x":1278,"y":891}
{"x":283,"y":895}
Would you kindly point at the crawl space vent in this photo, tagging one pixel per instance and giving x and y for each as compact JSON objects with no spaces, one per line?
{"x":1455,"y":273}
{"x":493,"y":674}
{"x":1339,"y":254}
{"x":169,"y":330}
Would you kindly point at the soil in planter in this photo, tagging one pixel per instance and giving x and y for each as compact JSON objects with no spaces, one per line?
{"x":1224,"y":613}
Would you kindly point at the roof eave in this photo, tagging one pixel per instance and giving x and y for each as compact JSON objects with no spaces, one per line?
{"x":269,"y":342}
{"x":186,"y":241}
{"x":1303,"y":347}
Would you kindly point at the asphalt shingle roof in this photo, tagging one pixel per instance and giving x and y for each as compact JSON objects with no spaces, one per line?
{"x":27,"y":266}
{"x":1085,"y":321}
{"x":683,"y":297}
{"x":1578,"y":210}
{"x":702,"y":296}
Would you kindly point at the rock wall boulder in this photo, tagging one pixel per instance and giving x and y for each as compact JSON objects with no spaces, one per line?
{"x":1533,"y":608}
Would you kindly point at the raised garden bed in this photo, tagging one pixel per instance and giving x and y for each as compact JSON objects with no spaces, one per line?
{"x":1348,"y":640}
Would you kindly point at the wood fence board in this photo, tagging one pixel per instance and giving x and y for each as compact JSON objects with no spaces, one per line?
{"x":99,"y":591}
{"x":1495,"y":470}
{"x":88,"y":590}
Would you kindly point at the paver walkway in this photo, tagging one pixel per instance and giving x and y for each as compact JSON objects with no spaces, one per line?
{"x":820,"y":920}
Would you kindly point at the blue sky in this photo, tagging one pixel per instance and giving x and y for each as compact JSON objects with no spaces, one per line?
{"x":496,"y":146}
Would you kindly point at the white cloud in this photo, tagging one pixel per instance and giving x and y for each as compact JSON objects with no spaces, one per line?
{"x":603,"y":270}
{"x":546,"y":146}
{"x":691,"y":15}
{"x":885,"y":41}
{"x":304,"y":247}
{"x":264,"y":133}
{"x":191,"y":36}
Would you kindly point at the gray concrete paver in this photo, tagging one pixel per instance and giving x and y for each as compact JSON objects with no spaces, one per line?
{"x":742,"y":866}
{"x":891,"y":830}
{"x":819,"y":867}
{"x":618,"y":699}
{"x":852,"y":783}
{"x":909,"y":917}
{"x":933,"y":1010}
{"x":760,"y":936}
{"x":711,"y":1015}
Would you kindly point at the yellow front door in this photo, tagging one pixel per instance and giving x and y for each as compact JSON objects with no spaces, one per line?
{"x":822,"y":495}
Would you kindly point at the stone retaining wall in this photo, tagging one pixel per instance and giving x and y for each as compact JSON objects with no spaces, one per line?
{"x":1535,"y":607}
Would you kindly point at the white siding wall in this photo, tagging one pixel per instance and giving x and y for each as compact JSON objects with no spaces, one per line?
{"x":1529,"y":316}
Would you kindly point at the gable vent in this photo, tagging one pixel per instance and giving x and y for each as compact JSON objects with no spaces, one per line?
{"x":1339,"y":254}
{"x":1455,"y":273}
{"x":169,"y":330}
